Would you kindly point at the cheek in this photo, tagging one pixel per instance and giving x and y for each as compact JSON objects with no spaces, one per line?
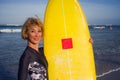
{"x":30,"y":35}
{"x":40,"y":34}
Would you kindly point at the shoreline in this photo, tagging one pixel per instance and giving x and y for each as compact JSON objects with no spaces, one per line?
{"x":111,"y":76}
{"x":107,"y":67}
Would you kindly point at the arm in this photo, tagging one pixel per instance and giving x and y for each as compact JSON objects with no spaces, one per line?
{"x":23,"y":67}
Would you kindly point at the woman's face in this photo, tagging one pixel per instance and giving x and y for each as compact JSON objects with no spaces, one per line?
{"x":34,"y":34}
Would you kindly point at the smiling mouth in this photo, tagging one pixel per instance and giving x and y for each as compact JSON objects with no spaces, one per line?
{"x":36,"y":39}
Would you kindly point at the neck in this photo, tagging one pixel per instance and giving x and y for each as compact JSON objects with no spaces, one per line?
{"x":34,"y":46}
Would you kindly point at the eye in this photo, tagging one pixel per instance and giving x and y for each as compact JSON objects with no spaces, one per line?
{"x":32,"y":31}
{"x":39,"y":30}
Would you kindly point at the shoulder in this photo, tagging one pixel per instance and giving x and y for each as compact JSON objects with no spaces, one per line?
{"x":26,"y":53}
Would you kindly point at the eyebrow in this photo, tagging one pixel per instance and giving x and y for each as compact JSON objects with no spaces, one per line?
{"x":34,"y":29}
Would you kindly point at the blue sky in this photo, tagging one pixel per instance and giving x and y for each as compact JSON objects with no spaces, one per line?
{"x":96,"y":11}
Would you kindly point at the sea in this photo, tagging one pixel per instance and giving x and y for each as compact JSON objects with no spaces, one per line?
{"x":106,"y":47}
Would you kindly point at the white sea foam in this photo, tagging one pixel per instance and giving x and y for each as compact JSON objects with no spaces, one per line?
{"x":10,"y":30}
{"x":108,"y":72}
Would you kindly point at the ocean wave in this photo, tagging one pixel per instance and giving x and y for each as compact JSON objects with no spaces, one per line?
{"x":108,"y":72}
{"x":10,"y":30}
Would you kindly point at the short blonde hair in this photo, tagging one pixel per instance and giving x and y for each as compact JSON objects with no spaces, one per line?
{"x":32,"y":21}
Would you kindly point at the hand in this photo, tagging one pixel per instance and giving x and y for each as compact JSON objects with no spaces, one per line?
{"x":91,"y":40}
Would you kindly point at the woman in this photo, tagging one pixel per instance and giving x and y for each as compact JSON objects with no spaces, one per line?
{"x":32,"y":65}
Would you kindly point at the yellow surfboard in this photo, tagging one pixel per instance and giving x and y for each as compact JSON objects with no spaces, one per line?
{"x":66,"y":42}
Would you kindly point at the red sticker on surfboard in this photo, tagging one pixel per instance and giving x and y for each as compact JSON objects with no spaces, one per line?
{"x":67,"y":43}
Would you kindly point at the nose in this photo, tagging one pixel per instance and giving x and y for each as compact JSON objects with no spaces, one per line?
{"x":37,"y":34}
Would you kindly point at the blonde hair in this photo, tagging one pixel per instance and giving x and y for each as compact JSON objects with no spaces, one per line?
{"x":29,"y":23}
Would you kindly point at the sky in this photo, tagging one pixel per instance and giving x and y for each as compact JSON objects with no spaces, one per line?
{"x":96,"y":11}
